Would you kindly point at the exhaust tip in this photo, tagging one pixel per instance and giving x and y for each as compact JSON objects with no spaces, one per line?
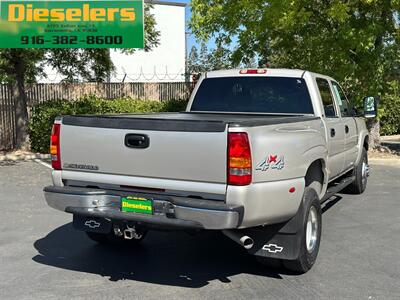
{"x":247,"y":242}
{"x":243,"y":240}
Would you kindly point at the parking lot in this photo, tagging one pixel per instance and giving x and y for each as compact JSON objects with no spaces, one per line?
{"x":41,"y":256}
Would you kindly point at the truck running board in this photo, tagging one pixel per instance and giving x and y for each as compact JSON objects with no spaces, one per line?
{"x":337,"y":187}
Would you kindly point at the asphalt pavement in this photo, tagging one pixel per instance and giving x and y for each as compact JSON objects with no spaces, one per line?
{"x":43,"y":257}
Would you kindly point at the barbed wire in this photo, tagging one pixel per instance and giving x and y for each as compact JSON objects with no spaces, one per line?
{"x":134,"y":77}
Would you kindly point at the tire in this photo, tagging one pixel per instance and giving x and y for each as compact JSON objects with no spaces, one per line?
{"x":111,"y":238}
{"x":360,"y":172}
{"x":317,"y":186}
{"x":310,"y":234}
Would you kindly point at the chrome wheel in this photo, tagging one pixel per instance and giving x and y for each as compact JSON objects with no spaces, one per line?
{"x":312,"y":229}
{"x":364,"y":172}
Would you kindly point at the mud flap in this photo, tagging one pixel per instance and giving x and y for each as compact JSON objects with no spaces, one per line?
{"x":90,"y":224}
{"x":280,"y":241}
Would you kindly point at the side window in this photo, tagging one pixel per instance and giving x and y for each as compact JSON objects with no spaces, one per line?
{"x":327,"y":99}
{"x":341,"y":100}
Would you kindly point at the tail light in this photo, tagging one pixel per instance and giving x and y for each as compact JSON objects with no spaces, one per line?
{"x":239,"y":159}
{"x":55,"y":147}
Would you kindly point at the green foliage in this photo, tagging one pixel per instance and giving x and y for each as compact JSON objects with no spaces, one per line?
{"x":151,"y":37}
{"x":356,"y":41}
{"x":21,"y":64}
{"x":193,"y":61}
{"x":390,"y":111}
{"x":209,"y":59}
{"x":44,"y":114}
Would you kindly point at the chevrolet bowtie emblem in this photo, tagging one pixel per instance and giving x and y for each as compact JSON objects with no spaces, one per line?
{"x":272,"y":248}
{"x":92,"y":224}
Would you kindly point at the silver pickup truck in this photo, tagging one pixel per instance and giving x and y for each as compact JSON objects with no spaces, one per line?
{"x":255,"y":155}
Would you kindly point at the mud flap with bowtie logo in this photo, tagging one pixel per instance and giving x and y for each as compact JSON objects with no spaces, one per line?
{"x":280,"y":241}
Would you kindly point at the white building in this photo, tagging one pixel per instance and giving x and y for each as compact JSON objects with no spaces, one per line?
{"x":165,"y":63}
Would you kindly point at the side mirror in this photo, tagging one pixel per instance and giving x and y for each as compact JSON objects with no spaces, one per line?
{"x":371,"y":107}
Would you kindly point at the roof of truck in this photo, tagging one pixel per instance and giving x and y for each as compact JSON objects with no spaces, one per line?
{"x":262,"y":72}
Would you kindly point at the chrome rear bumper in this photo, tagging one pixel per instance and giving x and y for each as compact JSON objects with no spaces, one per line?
{"x":175,"y":212}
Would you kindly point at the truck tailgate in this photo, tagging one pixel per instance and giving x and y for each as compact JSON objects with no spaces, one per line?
{"x":178,"y":149}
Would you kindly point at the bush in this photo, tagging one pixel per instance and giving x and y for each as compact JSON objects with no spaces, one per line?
{"x":43,"y":115}
{"x":389,"y":112}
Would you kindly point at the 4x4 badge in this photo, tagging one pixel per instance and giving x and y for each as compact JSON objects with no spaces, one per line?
{"x":271,"y":162}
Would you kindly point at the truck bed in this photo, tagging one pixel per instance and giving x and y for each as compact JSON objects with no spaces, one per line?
{"x":180,"y":146}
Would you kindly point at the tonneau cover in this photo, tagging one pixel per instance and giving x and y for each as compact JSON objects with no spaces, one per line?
{"x":184,"y":122}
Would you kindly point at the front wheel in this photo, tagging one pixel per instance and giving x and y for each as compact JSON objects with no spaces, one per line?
{"x":310,"y":234}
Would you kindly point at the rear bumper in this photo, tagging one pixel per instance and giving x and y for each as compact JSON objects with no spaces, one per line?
{"x":169,"y":212}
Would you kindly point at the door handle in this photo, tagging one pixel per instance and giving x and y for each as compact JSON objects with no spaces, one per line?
{"x":347,"y":129}
{"x":139,"y":141}
{"x":333,"y":132}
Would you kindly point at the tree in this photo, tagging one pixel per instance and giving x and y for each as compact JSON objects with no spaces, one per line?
{"x":21,"y":66}
{"x":355,"y":41}
{"x":209,"y":60}
{"x":220,"y":58}
{"x":203,"y":57}
{"x":193,"y":61}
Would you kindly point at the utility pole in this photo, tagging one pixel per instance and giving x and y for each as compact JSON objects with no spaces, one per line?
{"x":187,"y":75}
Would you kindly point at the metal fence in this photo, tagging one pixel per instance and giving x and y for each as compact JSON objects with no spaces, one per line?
{"x":164,"y":91}
{"x":39,"y":93}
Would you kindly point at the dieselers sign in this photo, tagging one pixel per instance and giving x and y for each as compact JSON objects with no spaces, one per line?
{"x":71,"y":24}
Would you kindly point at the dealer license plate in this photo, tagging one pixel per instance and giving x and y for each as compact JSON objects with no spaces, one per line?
{"x":137,"y":205}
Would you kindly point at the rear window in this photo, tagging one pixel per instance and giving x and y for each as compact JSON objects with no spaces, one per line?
{"x":254,"y":95}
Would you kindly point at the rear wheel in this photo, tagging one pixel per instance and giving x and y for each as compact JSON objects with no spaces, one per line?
{"x":361,"y":173}
{"x":310,"y":234}
{"x":307,"y":238}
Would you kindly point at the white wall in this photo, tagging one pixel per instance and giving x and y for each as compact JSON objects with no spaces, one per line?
{"x":164,"y":63}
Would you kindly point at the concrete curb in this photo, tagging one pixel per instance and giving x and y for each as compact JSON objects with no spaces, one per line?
{"x":385,"y":161}
{"x":390,"y":138}
{"x":25,"y":157}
